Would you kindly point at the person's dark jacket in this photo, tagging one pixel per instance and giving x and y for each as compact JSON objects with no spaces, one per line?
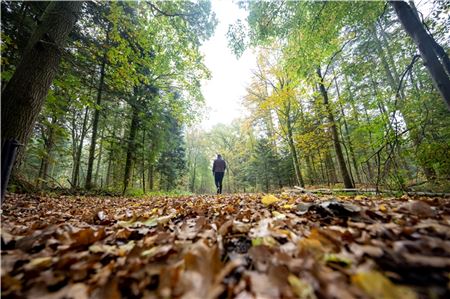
{"x":219,"y":165}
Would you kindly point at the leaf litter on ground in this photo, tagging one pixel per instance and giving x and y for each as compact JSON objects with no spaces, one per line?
{"x":226,"y":246}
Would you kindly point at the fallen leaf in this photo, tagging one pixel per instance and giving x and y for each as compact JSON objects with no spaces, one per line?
{"x":101,"y":215}
{"x":301,"y":288}
{"x":377,"y":286}
{"x":39,"y":263}
{"x":269,"y":200}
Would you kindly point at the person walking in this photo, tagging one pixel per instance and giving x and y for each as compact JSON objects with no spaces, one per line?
{"x":218,"y":170}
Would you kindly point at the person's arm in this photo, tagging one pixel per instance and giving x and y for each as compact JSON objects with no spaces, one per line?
{"x":224,"y":165}
{"x":214,"y":166}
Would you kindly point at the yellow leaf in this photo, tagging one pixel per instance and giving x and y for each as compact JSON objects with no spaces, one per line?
{"x":287,"y":206}
{"x":337,"y":259}
{"x":268,"y":241}
{"x":40,"y":262}
{"x":359,"y":197}
{"x":278,"y":215}
{"x":379,"y":286}
{"x":126,"y":248}
{"x":269,"y":200}
{"x":301,"y":288}
{"x":111,"y":249}
{"x":382,"y":208}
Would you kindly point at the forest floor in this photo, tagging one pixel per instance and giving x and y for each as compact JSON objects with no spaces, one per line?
{"x":229,"y":246}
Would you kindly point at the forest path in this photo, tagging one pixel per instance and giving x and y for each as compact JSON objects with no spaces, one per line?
{"x":245,"y":246}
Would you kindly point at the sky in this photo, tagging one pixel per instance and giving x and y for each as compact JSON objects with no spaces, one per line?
{"x":230,"y":76}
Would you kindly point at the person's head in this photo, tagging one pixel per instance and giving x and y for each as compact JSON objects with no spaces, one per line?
{"x":219,"y":156}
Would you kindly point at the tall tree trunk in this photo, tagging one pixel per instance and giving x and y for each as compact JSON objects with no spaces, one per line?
{"x":347,"y":133}
{"x":311,"y":171}
{"x":438,"y":49}
{"x":390,"y":56}
{"x":24,"y":95}
{"x":99,"y":160}
{"x":95,"y":123}
{"x":108,"y":171}
{"x":330,"y":169}
{"x":143,"y":160}
{"x":270,"y":134}
{"x":49,"y":142}
{"x":391,"y":78}
{"x":151,"y":178}
{"x":194,"y":169}
{"x":426,"y":45}
{"x":77,"y":162}
{"x":334,"y":132}
{"x":295,"y":160}
{"x":131,"y":148}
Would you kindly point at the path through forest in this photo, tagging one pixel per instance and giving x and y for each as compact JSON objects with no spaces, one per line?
{"x":231,"y":246}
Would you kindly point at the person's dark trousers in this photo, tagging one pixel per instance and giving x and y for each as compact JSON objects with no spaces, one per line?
{"x":218,"y":178}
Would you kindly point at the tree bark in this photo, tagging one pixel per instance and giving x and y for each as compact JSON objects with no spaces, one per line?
{"x":426,"y":45}
{"x":24,"y":95}
{"x":337,"y":146}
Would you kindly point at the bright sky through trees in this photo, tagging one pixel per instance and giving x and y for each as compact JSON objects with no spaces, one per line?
{"x":230,"y":76}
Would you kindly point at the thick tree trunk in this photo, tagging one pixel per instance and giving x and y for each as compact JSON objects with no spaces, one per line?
{"x":95,"y":125}
{"x":334,"y":133}
{"x":131,"y":148}
{"x":24,"y":95}
{"x":426,"y":46}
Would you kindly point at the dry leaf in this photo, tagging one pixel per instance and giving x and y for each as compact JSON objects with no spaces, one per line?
{"x":269,"y":200}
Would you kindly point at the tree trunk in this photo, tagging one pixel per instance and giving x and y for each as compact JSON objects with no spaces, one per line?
{"x":425,"y":44}
{"x":337,"y":146}
{"x":49,"y":143}
{"x":194,"y":169}
{"x":295,"y":161}
{"x":151,"y":179}
{"x":99,"y":160}
{"x":24,"y":95}
{"x":347,"y":133}
{"x":330,"y":169}
{"x":77,"y":162}
{"x":95,"y":124}
{"x":438,"y":49}
{"x":131,"y":147}
{"x":311,"y":171}
{"x":143,"y":161}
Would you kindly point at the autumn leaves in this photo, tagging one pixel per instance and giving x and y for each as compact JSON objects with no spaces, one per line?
{"x":239,"y":246}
